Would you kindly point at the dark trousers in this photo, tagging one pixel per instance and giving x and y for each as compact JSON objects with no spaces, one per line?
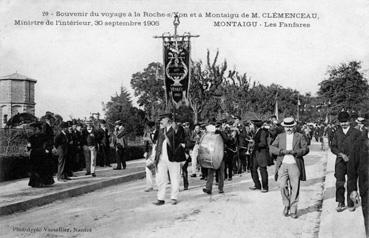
{"x":340,"y":173}
{"x":243,"y":162}
{"x":204,"y":172}
{"x":236,"y":162}
{"x":69,"y":161}
{"x":185,"y":174}
{"x":248,"y":162}
{"x":228,"y":164}
{"x":209,"y":182}
{"x":80,"y":160}
{"x":121,"y":157}
{"x":62,"y":157}
{"x":364,"y":205}
{"x":104,"y":155}
{"x":263,"y":174}
{"x":76,"y":158}
{"x":363,"y":175}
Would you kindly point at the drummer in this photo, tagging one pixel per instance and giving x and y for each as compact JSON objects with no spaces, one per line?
{"x":209,"y":183}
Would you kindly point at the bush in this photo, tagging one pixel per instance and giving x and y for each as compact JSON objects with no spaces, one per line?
{"x":17,"y":166}
{"x":13,"y":167}
{"x":135,"y":152}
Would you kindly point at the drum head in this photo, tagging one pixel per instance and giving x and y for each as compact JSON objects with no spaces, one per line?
{"x":211,"y":151}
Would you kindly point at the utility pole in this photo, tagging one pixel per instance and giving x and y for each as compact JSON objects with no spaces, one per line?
{"x":298,"y":107}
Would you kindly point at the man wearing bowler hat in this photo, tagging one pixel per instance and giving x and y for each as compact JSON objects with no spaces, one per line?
{"x":290,"y":147}
{"x":170,"y":151}
{"x":342,"y":145}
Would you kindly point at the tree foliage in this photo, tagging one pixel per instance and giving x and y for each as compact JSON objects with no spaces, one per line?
{"x":346,"y":88}
{"x":216,"y":91}
{"x":148,"y":87}
{"x":204,"y":86}
{"x":120,"y":108}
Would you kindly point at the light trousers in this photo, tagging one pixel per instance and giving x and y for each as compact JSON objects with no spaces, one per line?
{"x":289,"y":181}
{"x":174,"y":169}
{"x":149,"y":178}
{"x":194,"y":153}
{"x":90,"y":158}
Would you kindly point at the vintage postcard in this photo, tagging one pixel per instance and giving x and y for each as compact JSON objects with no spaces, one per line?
{"x":82,"y":62}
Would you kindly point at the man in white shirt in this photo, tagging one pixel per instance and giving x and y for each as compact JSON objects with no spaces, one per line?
{"x":290,"y":147}
{"x":169,"y":153}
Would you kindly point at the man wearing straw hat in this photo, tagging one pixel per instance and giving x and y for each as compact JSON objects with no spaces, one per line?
{"x":290,"y":147}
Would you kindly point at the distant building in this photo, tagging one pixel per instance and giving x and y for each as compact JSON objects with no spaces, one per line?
{"x":17,"y":95}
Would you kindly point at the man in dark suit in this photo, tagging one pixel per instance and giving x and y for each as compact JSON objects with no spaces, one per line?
{"x":358,"y":169}
{"x":120,"y":145}
{"x":103,"y":141}
{"x":290,"y":147}
{"x":170,"y":151}
{"x":260,"y":157}
{"x":61,"y":144}
{"x":342,"y":145}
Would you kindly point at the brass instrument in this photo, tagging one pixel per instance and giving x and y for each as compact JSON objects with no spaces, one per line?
{"x":250,"y":146}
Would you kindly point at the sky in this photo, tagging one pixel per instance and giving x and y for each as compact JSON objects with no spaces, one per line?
{"x":79,"y":67}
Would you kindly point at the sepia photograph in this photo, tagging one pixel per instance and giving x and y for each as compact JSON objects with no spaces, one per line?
{"x":207,"y":118}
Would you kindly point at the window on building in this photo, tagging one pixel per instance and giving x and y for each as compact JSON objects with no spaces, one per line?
{"x":5,"y":119}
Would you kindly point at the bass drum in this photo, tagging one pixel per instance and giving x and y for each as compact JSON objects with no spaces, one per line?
{"x":211,"y":151}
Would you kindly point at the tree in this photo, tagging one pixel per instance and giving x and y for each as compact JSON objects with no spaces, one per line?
{"x":119,"y":106}
{"x":204,"y":85}
{"x":235,"y":90}
{"x":346,"y":88}
{"x":148,"y":86}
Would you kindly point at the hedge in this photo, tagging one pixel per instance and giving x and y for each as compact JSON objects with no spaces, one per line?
{"x":17,"y":166}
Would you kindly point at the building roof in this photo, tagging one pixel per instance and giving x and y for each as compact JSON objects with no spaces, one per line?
{"x":18,"y":77}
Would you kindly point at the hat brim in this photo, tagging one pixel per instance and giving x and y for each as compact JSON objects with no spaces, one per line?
{"x":288,"y":125}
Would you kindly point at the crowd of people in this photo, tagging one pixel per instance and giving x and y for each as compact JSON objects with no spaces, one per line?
{"x":172,"y":154}
{"x":77,"y":145}
{"x":250,"y":147}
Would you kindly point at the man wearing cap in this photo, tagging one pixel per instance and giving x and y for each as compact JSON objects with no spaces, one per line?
{"x":61,"y":144}
{"x":260,"y":158}
{"x":343,"y":142}
{"x":290,"y":147}
{"x":170,"y":151}
{"x":120,"y":145}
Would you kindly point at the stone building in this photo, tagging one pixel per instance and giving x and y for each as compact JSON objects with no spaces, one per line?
{"x":17,"y":95}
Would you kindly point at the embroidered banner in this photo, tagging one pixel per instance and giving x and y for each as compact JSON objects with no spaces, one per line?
{"x":177,"y":70}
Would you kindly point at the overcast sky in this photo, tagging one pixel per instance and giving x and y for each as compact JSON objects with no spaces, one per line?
{"x":77,"y":68}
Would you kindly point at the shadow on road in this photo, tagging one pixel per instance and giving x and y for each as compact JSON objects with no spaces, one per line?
{"x":310,"y":209}
{"x":313,"y":181}
{"x":330,"y":193}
